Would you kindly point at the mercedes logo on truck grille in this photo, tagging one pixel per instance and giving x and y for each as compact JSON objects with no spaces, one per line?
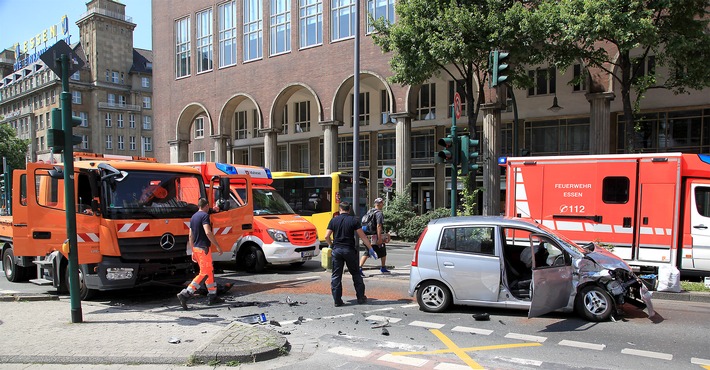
{"x":167,"y":241}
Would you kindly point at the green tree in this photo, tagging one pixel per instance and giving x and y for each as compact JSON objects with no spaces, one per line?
{"x":12,"y":148}
{"x":619,"y":37}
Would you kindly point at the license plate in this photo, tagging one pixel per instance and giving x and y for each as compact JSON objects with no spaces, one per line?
{"x":307,"y":254}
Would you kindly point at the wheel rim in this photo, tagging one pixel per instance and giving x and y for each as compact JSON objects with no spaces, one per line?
{"x":433,"y":296}
{"x":250,"y":258}
{"x":595,"y":302}
{"x":7,"y":264}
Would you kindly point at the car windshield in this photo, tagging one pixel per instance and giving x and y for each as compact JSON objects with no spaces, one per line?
{"x":148,"y":194}
{"x":269,"y":202}
{"x":563,"y":240}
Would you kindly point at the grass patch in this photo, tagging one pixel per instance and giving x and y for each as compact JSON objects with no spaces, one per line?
{"x":693,"y":286}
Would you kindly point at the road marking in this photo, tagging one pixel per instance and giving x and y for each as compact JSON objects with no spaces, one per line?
{"x":525,"y":337}
{"x":429,"y":325}
{"x":458,"y":351}
{"x":464,"y":329}
{"x":637,"y":352}
{"x":361,"y":353}
{"x":571,"y":343}
{"x":404,"y":360}
{"x":380,"y":309}
{"x":520,"y":361}
{"x":338,"y":316}
{"x":383,"y":318}
{"x":699,"y":361}
{"x":448,"y":366}
{"x":410,"y":305}
{"x":289,"y":322}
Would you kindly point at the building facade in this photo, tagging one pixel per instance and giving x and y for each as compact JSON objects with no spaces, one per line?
{"x":270,"y":83}
{"x":112,"y":93}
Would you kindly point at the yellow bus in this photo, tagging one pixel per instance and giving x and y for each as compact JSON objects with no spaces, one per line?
{"x":316,"y":197}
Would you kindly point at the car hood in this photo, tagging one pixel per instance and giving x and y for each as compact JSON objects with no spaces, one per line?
{"x":606,"y":259}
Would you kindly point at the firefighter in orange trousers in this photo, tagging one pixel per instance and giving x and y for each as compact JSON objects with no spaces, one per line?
{"x":199,"y":240}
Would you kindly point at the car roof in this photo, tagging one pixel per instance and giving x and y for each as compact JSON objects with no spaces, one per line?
{"x":484,"y":220}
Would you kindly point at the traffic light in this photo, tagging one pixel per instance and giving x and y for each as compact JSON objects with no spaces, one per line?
{"x":499,"y":67}
{"x":448,"y":154}
{"x":469,"y":155}
{"x":75,"y":139}
{"x":55,"y":135}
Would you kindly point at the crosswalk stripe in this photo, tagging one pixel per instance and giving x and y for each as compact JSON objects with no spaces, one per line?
{"x":338,"y":316}
{"x":638,"y":352}
{"x":380,"y":309}
{"x":410,"y":305}
{"x":404,"y":360}
{"x":520,"y":361}
{"x":429,"y":325}
{"x":525,"y":337}
{"x":383,"y":318}
{"x":448,"y":366}
{"x":572,"y":343}
{"x":361,"y":353}
{"x":699,"y":361}
{"x":464,"y":329}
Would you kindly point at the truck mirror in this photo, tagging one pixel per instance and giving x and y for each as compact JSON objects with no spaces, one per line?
{"x":56,"y":173}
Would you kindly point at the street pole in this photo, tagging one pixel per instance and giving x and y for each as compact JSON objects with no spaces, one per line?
{"x":455,"y":156}
{"x":73,"y":268}
{"x":356,"y":112}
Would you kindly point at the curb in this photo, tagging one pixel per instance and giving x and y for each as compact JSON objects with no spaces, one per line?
{"x":682,"y":296}
{"x":242,"y":343}
{"x":24,"y":297}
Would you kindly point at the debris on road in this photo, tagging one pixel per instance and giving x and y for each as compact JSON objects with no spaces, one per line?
{"x":174,"y":340}
{"x":385,"y":332}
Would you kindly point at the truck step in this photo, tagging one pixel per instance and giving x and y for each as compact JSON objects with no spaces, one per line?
{"x":43,"y":263}
{"x":41,"y":281}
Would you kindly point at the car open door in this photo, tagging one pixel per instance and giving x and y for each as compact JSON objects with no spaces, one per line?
{"x":551,"y":277}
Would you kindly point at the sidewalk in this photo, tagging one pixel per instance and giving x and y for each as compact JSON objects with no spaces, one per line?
{"x":41,"y":332}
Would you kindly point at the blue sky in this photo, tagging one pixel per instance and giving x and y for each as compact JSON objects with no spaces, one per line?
{"x":24,"y":19}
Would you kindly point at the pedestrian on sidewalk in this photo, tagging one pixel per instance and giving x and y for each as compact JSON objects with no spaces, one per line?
{"x":343,"y":229}
{"x":200,"y":239}
{"x":378,"y":238}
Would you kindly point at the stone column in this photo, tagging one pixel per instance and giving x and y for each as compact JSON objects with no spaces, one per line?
{"x":403,"y":164}
{"x":178,"y":150}
{"x":490,"y":151}
{"x":330,"y":145}
{"x":271,"y":149}
{"x":219,"y":144}
{"x":600,"y":134}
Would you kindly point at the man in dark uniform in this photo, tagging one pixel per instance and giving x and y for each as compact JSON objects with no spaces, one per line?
{"x":343,"y":229}
{"x":199,"y":240}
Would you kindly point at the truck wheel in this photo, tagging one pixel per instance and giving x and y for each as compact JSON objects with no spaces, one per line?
{"x":594,"y":303}
{"x":13,"y":272}
{"x":433,"y":296}
{"x":84,"y":293}
{"x":254,"y":259}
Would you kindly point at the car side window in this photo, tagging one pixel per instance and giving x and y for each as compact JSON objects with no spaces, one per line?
{"x":468,"y":239}
{"x":547,"y":253}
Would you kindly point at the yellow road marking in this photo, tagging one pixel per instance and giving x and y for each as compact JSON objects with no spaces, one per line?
{"x":706,"y":367}
{"x":461,"y":352}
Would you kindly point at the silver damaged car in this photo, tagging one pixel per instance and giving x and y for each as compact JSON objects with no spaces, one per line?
{"x":517,"y":263}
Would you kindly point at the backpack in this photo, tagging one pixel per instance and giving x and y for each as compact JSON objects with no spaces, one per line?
{"x":369,"y":222}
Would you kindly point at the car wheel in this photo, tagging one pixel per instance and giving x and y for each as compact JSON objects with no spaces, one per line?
{"x":594,"y":303}
{"x":254,"y":260}
{"x":433,"y":296}
{"x":13,"y":272}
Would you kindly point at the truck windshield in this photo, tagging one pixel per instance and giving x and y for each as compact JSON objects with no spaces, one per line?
{"x":148,"y":194}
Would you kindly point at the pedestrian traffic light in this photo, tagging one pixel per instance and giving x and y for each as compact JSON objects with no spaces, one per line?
{"x":469,"y":155}
{"x":499,"y":67}
{"x":55,"y":135}
{"x":75,"y":139}
{"x":448,"y":154}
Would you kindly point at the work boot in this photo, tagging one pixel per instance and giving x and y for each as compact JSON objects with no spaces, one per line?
{"x":213,"y":299}
{"x":183,"y":297}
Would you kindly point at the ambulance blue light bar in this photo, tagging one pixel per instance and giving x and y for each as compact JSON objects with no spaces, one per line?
{"x":253,"y":171}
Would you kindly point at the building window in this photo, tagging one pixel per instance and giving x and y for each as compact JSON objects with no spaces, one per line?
{"x":386,"y":148}
{"x":252,"y":30}
{"x":147,"y":143}
{"x":119,"y":120}
{"x":644,"y":67}
{"x":426,"y":102}
{"x":580,"y":78}
{"x":121,"y":101}
{"x":198,"y":156}
{"x":380,"y":9}
{"x":108,"y":120}
{"x":363,"y":108}
{"x":284,"y":121}
{"x":108,"y":75}
{"x":282,"y":158}
{"x":422,"y":146}
{"x":109,"y":142}
{"x":311,"y":16}
{"x":145,"y":82}
{"x":240,"y":125}
{"x":85,"y":142}
{"x":280,"y":39}
{"x":54,"y":96}
{"x":345,"y":151}
{"x":132,"y":143}
{"x":146,"y":102}
{"x":458,"y":86}
{"x":182,"y":47}
{"x":678,"y":131}
{"x":147,"y":123}
{"x":120,"y":143}
{"x":114,"y":77}
{"x":303,"y":156}
{"x":544,"y":81}
{"x":385,"y":107}
{"x":227,"y":34}
{"x":343,"y":19}
{"x":111,"y":100}
{"x":76,"y":97}
{"x":559,"y":136}
{"x":257,"y":124}
{"x":84,"y":119}
{"x":75,"y":76}
{"x":204,"y":40}
{"x":199,"y":128}
{"x":302,"y":121}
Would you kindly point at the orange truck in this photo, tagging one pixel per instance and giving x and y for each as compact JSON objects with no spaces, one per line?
{"x":653,"y":209}
{"x":280,"y":236}
{"x":132,"y":222}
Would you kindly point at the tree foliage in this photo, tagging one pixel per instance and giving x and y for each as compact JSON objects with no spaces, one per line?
{"x":12,"y":148}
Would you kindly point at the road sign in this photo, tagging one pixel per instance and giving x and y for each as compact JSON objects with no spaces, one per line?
{"x":457,"y":105}
{"x":52,"y":54}
{"x":387,"y":189}
{"x":387,"y":182}
{"x":388,"y":172}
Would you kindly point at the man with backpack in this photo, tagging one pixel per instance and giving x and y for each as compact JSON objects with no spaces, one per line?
{"x":374,"y":225}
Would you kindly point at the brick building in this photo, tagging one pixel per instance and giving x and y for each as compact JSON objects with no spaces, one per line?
{"x":270,"y":83}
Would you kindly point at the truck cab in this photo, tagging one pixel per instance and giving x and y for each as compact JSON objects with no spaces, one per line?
{"x":280,"y":236}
